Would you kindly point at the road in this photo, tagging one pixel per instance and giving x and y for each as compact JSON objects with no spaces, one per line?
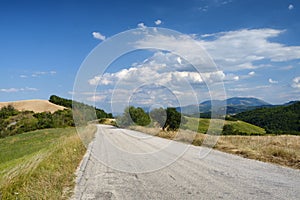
{"x":150,"y":170}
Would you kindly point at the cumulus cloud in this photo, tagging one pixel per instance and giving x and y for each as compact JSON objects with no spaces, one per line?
{"x":296,"y":82}
{"x":163,"y":69}
{"x":231,"y":51}
{"x":272,"y":81}
{"x":158,"y":22}
{"x":236,"y":50}
{"x":142,"y":25}
{"x":98,"y":36}
{"x":13,"y":90}
{"x":291,"y":7}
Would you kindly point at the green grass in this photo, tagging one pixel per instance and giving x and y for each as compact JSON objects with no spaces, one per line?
{"x":201,"y":126}
{"x":244,"y":127}
{"x":40,"y":164}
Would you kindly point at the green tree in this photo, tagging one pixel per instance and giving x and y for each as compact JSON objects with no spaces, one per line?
{"x":174,"y":119}
{"x":160,"y":116}
{"x":139,"y":116}
{"x":133,"y":116}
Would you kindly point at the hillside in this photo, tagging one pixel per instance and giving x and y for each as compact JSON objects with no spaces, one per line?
{"x":37,"y":106}
{"x":233,"y":105}
{"x":236,"y":127}
{"x":82,"y":107}
{"x":280,"y":119}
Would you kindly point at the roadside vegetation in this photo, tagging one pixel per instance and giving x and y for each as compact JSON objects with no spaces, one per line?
{"x":237,"y":137}
{"x":277,"y":149}
{"x":40,"y":164}
{"x":40,"y":152}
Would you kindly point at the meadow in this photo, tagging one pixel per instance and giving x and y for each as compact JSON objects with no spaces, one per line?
{"x":40,"y":164}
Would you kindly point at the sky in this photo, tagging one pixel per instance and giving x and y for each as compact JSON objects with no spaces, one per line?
{"x":255,"y":46}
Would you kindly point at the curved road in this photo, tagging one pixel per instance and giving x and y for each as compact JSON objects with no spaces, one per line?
{"x":152,"y":175}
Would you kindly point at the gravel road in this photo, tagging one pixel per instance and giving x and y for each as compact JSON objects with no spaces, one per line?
{"x":124,"y":164}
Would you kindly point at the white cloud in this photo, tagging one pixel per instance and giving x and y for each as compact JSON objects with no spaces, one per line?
{"x":23,"y":76}
{"x":13,"y":90}
{"x":158,"y":22}
{"x":272,"y":81}
{"x":231,"y":77}
{"x":179,"y":60}
{"x":96,"y":98}
{"x":231,"y":51}
{"x":98,"y":36}
{"x":39,"y":74}
{"x":163,"y":69}
{"x":296,"y":82}
{"x":236,"y":50}
{"x":252,"y":73}
{"x":142,"y":25}
{"x":291,"y":7}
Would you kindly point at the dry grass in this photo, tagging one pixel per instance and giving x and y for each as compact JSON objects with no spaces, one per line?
{"x":283,"y":150}
{"x":36,"y":106}
{"x":44,"y":172}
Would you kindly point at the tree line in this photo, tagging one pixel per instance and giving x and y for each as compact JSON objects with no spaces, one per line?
{"x":167,"y":119}
{"x":83,"y":111}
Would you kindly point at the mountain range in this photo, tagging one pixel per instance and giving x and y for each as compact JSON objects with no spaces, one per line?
{"x":233,"y":105}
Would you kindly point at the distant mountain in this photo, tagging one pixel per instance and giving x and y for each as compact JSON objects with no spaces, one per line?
{"x":233,"y":105}
{"x":279,"y":119}
{"x":290,"y":103}
{"x":243,"y":101}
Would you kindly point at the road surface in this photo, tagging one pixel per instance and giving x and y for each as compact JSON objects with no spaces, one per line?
{"x":217,"y":176}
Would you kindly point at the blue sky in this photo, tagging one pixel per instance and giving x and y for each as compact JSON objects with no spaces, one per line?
{"x":255,"y":44}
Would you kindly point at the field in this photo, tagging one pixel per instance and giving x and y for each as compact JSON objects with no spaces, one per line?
{"x":40,"y":164}
{"x":36,"y":106}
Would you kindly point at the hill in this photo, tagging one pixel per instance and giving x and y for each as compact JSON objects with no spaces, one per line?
{"x":37,"y":106}
{"x":233,"y":105}
{"x":278,"y":120}
{"x":230,"y":127}
{"x":87,"y":111}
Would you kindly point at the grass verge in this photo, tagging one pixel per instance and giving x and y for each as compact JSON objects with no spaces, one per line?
{"x":40,"y":164}
{"x":277,"y":149}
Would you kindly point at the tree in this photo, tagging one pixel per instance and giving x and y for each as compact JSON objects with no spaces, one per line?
{"x":160,"y":116}
{"x":174,"y":119}
{"x":139,"y":116}
{"x":133,"y":116}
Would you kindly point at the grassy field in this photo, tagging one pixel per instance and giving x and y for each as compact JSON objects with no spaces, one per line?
{"x":201,"y":126}
{"x":40,"y":164}
{"x":279,"y":149}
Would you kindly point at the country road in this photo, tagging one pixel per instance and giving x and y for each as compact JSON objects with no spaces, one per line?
{"x":123,"y":164}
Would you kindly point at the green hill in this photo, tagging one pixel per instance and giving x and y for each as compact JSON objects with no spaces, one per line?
{"x":79,"y":106}
{"x":230,"y":127}
{"x":278,"y":120}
